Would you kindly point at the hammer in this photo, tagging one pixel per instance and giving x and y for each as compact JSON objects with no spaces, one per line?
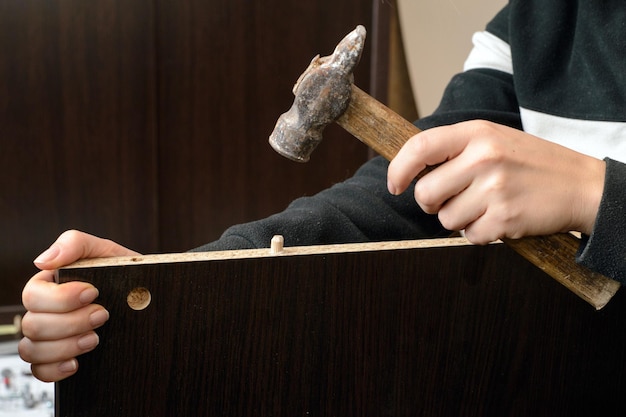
{"x":326,"y":93}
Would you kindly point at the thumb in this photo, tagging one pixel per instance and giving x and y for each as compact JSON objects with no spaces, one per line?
{"x":73,"y":245}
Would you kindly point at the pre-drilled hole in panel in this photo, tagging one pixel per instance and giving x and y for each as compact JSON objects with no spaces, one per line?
{"x":139,"y":298}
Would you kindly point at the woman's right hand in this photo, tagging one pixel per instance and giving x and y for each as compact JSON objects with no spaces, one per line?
{"x":61,"y":318}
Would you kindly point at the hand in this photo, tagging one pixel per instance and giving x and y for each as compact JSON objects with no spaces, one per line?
{"x":60,"y":321}
{"x":499,"y":182}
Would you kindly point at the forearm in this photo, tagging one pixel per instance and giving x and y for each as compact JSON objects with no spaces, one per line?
{"x":359,"y":209}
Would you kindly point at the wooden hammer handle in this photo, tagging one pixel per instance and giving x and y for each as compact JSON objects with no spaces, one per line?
{"x":376,"y":125}
{"x":386,"y":132}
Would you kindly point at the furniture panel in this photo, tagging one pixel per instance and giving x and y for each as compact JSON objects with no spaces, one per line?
{"x":429,"y":328}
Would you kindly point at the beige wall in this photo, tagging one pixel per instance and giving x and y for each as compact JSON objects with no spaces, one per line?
{"x":437,"y":38}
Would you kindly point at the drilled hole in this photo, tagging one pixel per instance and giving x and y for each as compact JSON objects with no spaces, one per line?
{"x":139,"y":298}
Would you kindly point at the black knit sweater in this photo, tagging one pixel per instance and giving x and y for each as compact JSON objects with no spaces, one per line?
{"x":556,"y":69}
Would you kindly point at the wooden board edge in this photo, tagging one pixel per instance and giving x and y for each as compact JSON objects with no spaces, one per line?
{"x":267,"y":252}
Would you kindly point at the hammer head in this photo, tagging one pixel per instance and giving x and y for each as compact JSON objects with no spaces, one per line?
{"x":322,"y":95}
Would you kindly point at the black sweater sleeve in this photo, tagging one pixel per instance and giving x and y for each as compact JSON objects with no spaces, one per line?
{"x":359,"y":209}
{"x":604,"y":251}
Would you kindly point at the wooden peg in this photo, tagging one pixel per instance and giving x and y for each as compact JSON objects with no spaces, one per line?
{"x":277,"y":244}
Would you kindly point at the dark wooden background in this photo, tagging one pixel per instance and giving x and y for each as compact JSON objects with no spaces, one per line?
{"x":146,"y":121}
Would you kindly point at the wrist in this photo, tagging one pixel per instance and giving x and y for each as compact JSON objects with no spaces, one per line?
{"x":590,"y":194}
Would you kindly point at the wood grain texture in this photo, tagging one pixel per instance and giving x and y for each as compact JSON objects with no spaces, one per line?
{"x":146,"y":121}
{"x":376,"y":125}
{"x":556,"y":255}
{"x":442,"y":331}
{"x":227,"y":69}
{"x":77,"y":127}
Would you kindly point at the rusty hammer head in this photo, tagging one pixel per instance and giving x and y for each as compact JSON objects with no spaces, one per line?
{"x":322,"y":95}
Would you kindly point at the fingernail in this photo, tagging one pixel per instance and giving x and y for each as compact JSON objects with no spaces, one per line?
{"x":88,"y":295}
{"x":98,"y":318}
{"x":68,"y":366}
{"x":88,"y":341}
{"x":391,"y":188}
{"x":48,"y":255}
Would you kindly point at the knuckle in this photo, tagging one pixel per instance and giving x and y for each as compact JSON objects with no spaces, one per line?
{"x":25,"y":349}
{"x":487,"y":146}
{"x":42,"y":373}
{"x":420,"y":147}
{"x":481,"y":127}
{"x":489,"y":153}
{"x":494,"y":187}
{"x":70,"y":236}
{"x":477,"y":237}
{"x":425,"y":197}
{"x":70,"y":233}
{"x":419,"y":144}
{"x":448,"y":221}
{"x":30,"y":327}
{"x":28,"y":300}
{"x":428,"y":209}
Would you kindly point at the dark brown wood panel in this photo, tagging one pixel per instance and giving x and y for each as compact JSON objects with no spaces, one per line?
{"x":454,"y":331}
{"x":226,"y":69}
{"x":146,"y":121}
{"x":77,"y":127}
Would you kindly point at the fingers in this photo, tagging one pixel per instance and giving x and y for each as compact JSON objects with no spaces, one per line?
{"x":73,"y":245}
{"x":461,"y":210}
{"x":428,"y":148}
{"x":61,"y":350}
{"x":61,"y":318}
{"x":56,"y":371}
{"x":471,"y":187}
{"x":451,"y":179}
{"x":51,"y":326}
{"x":52,"y":342}
{"x":56,"y":359}
{"x":42,"y":294}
